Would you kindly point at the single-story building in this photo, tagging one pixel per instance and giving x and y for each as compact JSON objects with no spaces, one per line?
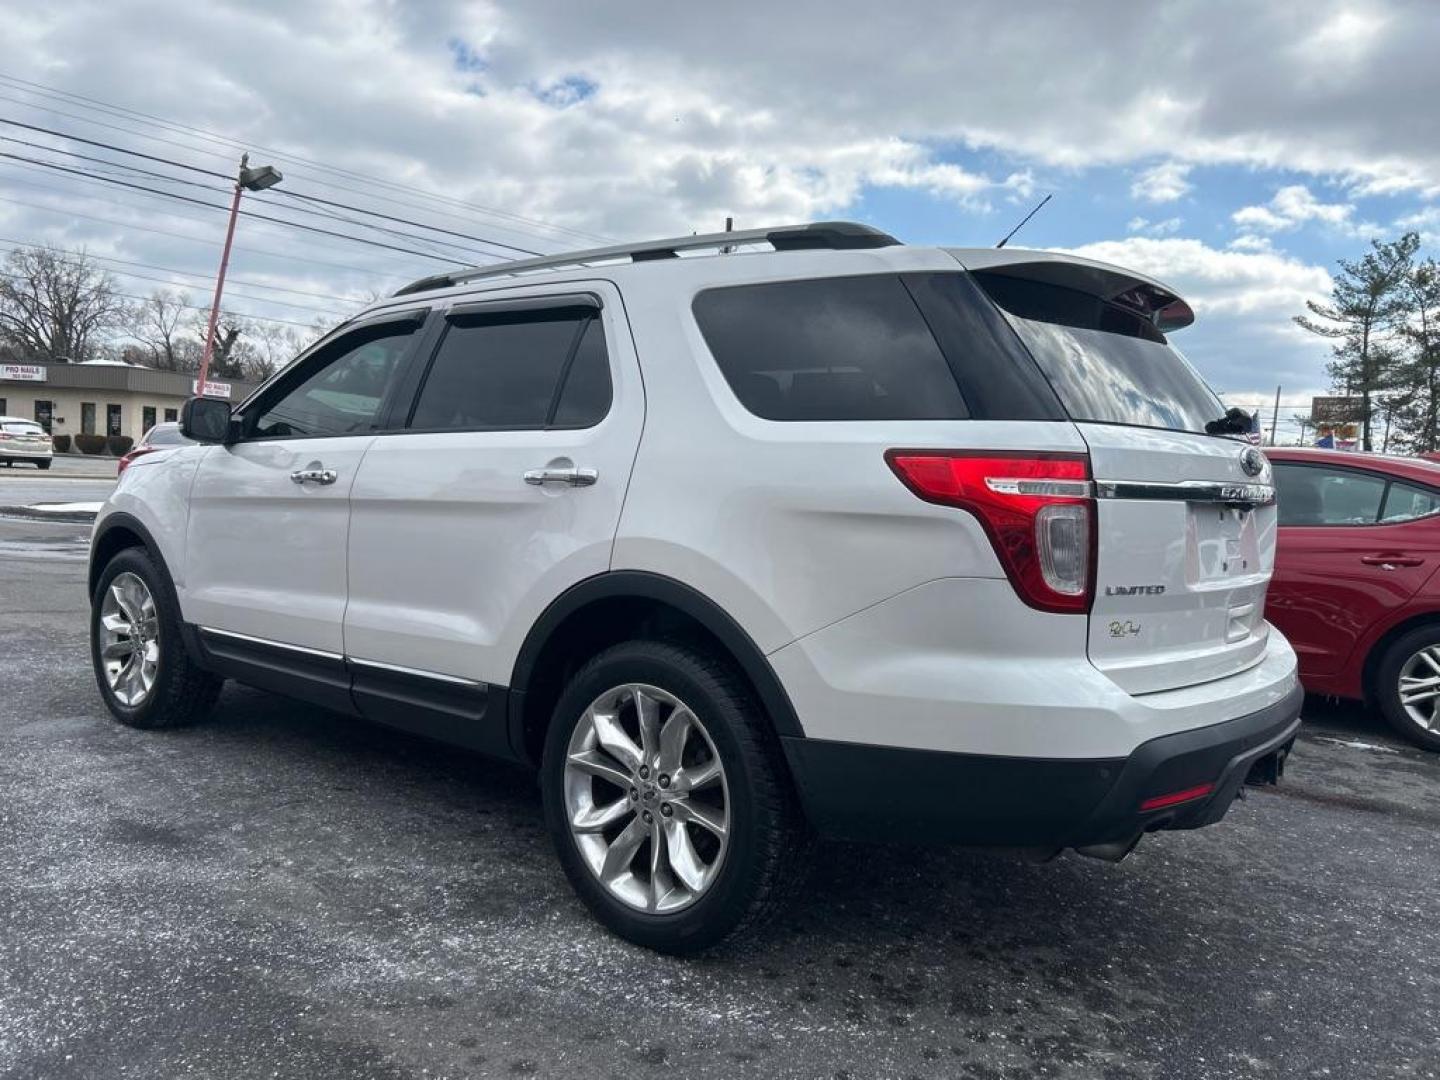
{"x":102,"y":397}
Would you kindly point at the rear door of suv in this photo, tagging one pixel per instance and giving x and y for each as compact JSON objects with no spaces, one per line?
{"x":503,"y":489}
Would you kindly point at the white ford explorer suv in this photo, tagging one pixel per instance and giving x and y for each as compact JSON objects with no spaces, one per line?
{"x":814,"y":533}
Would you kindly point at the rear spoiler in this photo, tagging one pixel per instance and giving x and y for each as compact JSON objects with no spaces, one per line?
{"x":1145,"y":296}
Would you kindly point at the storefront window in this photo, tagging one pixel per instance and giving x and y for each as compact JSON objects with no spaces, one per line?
{"x":112,"y":419}
{"x":172,"y":415}
{"x":43,"y":411}
{"x":87,"y":418}
{"x":147,"y":418}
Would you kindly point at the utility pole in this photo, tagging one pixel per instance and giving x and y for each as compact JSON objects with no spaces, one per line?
{"x":1275,"y":416}
{"x":247,"y":179}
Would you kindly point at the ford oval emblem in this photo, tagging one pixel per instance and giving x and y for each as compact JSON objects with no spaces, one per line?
{"x":1252,"y":461}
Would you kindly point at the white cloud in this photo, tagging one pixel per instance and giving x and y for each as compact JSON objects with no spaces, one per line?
{"x":1243,"y":303}
{"x":1292,"y":207}
{"x":1162,"y":183}
{"x":1147,"y":227}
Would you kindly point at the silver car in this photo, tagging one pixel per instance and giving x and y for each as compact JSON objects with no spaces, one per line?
{"x":24,"y":440}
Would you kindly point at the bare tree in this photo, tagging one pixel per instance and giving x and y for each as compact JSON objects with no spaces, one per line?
{"x":159,"y":325}
{"x":56,"y":305}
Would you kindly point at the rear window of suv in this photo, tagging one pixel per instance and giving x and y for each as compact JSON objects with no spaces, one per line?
{"x":1107,"y":364}
{"x":829,"y":349}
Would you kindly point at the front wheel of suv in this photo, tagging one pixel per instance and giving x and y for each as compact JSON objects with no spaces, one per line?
{"x":145,"y":675}
{"x":667,"y":799}
{"x":1407,"y":686}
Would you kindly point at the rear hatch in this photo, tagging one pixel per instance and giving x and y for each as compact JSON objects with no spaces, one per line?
{"x":1185,"y":520}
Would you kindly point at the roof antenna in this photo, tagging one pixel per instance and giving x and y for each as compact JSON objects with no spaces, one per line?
{"x":1023,"y":220}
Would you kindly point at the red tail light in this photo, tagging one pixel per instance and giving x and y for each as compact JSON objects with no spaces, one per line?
{"x":131,"y":456}
{"x":1036,"y":508}
{"x":1175,"y":798}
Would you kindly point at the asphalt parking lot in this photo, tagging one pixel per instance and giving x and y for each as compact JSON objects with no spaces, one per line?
{"x":284,"y":892}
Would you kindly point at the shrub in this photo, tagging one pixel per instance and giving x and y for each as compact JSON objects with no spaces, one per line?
{"x":62,"y":443}
{"x":90,"y":444}
{"x":120,"y":444}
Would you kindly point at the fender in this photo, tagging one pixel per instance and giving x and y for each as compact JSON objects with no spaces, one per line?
{"x":648,"y":586}
{"x":117,"y":520}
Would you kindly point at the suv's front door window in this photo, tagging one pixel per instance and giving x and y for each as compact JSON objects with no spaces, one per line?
{"x":343,"y":395}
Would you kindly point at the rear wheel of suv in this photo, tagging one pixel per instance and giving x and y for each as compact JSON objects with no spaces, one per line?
{"x":145,"y":675}
{"x":1407,"y":686}
{"x":666,"y":797}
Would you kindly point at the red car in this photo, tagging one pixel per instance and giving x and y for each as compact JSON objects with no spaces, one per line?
{"x":1355,"y":587}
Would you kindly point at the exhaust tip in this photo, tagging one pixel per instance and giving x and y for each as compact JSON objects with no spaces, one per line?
{"x":1114,"y":851}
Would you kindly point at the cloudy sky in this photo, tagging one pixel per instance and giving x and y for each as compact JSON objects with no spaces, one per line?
{"x":1235,"y":150}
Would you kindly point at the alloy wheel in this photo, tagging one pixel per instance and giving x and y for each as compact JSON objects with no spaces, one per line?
{"x":1420,"y":688}
{"x":646,"y":798}
{"x":129,"y":633}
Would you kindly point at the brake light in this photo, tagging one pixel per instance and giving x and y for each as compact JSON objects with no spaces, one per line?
{"x":1037,"y":509}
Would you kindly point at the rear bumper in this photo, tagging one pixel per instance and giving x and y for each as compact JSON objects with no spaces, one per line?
{"x":11,"y":454}
{"x":861,"y":792}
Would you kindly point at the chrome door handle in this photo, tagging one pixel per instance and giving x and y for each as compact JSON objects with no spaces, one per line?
{"x":571,"y":477}
{"x":313,"y":476}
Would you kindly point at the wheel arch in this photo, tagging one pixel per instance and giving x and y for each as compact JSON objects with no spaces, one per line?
{"x":1376,"y":653}
{"x":616,"y":606}
{"x":113,"y":535}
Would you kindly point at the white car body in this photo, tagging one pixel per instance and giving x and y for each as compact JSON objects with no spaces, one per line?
{"x":24,"y":440}
{"x":420,"y":586}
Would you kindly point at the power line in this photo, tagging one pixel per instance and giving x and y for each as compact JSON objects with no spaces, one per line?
{"x":133,"y":116}
{"x":304,"y":196}
{"x":164,"y":281}
{"x":245,"y":213}
{"x":192,"y":239}
{"x":193,"y":307}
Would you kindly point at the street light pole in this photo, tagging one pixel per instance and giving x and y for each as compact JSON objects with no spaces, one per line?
{"x":247,"y":179}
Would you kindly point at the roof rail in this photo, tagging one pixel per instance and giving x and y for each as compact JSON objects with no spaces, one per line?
{"x":820,"y":235}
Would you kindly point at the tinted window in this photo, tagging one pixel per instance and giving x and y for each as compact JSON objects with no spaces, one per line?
{"x":585,"y":398}
{"x":829,"y":349}
{"x":343,"y":394}
{"x":1314,"y":495}
{"x":502,"y":371}
{"x":1405,"y":502}
{"x":165,"y":435}
{"x":1108,"y":364}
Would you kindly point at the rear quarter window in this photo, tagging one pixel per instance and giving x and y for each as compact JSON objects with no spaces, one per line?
{"x":853,"y":348}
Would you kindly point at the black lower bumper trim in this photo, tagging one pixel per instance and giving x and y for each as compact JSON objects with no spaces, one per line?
{"x":862,"y":792}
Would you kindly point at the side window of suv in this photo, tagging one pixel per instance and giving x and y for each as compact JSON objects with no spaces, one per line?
{"x":840,"y":348}
{"x":343,"y":392}
{"x":1315,"y":495}
{"x":516,"y":370}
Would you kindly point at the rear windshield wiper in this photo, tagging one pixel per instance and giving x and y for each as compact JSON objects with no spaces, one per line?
{"x":1234,"y":422}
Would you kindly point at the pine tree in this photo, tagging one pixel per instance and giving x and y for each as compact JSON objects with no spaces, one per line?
{"x":1367,"y":304}
{"x":1418,"y":374}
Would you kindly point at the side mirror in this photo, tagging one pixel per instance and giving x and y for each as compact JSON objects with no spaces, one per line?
{"x":206,"y":420}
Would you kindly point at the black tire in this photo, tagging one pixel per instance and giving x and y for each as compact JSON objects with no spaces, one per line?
{"x":182,"y":693}
{"x":1386,"y":686}
{"x":769,"y":840}
{"x":43,"y":464}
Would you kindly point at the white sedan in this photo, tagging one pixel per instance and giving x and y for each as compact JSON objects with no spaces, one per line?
{"x":24,"y":440}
